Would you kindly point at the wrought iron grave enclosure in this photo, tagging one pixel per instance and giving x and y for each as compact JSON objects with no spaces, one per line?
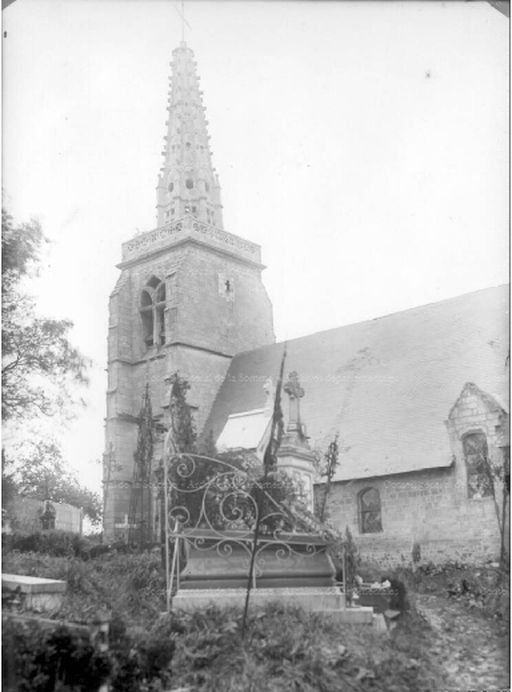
{"x":211,"y":509}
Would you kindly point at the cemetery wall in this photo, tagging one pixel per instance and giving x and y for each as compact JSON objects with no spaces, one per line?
{"x":24,"y":514}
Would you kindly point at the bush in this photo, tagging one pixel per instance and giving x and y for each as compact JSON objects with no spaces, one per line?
{"x":486,"y":587}
{"x":142,"y":659}
{"x":44,"y":661}
{"x":55,"y":543}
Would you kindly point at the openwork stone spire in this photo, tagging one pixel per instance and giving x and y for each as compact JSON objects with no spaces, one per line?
{"x":188,"y":183}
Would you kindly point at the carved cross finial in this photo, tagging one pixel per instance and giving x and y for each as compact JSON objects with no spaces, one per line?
{"x":295,"y":392}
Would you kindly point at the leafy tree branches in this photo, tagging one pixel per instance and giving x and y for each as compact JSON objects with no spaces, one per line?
{"x":328,"y":470}
{"x":183,"y":428}
{"x":38,"y":470}
{"x":40,"y":369}
{"x":39,"y":365}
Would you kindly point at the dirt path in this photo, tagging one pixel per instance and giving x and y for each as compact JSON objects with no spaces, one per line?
{"x":472,"y":650}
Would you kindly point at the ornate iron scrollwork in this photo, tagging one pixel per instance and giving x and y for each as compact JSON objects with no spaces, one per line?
{"x":211,"y":508}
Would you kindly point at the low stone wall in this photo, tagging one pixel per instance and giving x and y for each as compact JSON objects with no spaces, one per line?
{"x":24,"y":514}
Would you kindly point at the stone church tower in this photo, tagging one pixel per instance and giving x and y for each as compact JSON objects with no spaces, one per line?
{"x":189,"y":296}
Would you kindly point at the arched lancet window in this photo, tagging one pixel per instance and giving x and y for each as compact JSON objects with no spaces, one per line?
{"x":152,"y":312}
{"x":370,"y":520}
{"x":146,"y":313}
{"x":477,"y":464}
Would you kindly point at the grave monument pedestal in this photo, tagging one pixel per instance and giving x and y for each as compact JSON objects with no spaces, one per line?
{"x":294,"y":569}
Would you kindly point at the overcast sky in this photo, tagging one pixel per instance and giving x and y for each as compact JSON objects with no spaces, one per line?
{"x":363,"y":145}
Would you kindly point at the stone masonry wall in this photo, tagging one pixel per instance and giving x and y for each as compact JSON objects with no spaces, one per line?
{"x":216,"y":306}
{"x":24,"y":514}
{"x":423,"y":507}
{"x":222,"y":304}
{"x":432,"y":507}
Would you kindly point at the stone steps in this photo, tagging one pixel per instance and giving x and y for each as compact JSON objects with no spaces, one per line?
{"x":326,"y":600}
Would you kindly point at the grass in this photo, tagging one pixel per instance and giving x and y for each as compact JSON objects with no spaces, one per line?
{"x":486,"y":587}
{"x":129,"y":585}
{"x":288,"y":649}
{"x":284,"y":648}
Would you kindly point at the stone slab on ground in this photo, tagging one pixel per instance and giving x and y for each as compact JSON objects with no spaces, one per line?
{"x":35,"y":593}
{"x":309,"y":598}
{"x":326,"y":600}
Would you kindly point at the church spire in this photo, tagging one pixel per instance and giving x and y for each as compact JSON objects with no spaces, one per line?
{"x":188,"y":183}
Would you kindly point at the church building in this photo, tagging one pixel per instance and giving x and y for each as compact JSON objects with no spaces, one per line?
{"x":416,"y":399}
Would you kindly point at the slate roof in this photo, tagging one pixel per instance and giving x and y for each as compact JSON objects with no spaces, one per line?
{"x":386,"y":385}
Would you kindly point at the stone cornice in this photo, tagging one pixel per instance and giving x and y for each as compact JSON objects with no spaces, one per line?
{"x":189,"y":230}
{"x":196,"y":347}
{"x":296,"y":452}
{"x":161,"y":355}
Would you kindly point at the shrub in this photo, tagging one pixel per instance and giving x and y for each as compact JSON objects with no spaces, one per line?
{"x":416,"y":553}
{"x":44,"y":661}
{"x":55,"y":543}
{"x":352,"y":562}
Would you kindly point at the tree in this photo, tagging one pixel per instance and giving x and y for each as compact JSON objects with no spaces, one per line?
{"x":351,"y":562}
{"x":39,"y":365}
{"x":143,"y":458}
{"x":143,"y":455}
{"x":39,"y":370}
{"x":206,"y":445}
{"x":182,"y":424}
{"x":329,"y":469}
{"x":497,"y":476}
{"x":185,"y":438}
{"x":39,"y":471}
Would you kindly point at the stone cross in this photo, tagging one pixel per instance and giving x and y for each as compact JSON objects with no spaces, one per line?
{"x":295,"y":392}
{"x":126,"y":525}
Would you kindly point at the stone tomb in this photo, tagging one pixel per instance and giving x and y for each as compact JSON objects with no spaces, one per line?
{"x":290,"y":566}
{"x":294,"y":569}
{"x":34,"y":593}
